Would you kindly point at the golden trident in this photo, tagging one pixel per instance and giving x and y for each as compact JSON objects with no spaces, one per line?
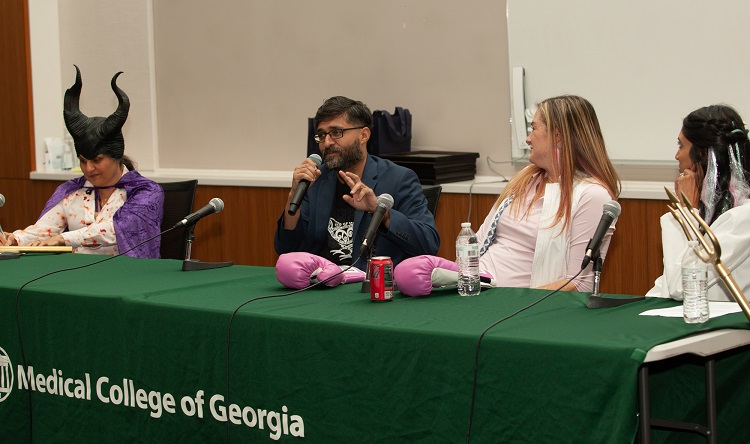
{"x":709,"y":250}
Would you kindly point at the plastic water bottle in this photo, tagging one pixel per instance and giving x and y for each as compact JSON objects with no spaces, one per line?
{"x":694,"y":277}
{"x":467,"y":257}
{"x":68,"y":150}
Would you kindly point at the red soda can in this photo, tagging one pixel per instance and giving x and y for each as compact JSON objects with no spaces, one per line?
{"x":381,"y":278}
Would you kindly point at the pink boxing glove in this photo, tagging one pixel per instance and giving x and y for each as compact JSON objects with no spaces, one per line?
{"x":417,"y":276}
{"x":413,"y":276}
{"x":300,"y":269}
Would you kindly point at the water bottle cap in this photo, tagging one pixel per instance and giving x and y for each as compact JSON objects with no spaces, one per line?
{"x":465,"y":224}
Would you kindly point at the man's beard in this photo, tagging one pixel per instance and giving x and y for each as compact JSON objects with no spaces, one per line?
{"x":348,"y":157}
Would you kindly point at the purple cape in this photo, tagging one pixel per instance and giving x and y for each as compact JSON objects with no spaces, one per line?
{"x":138,"y":219}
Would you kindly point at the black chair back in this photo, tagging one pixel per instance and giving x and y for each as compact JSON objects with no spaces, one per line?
{"x":432,"y":193}
{"x":178,"y":203}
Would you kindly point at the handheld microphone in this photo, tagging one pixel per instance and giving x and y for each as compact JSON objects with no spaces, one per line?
{"x":611,"y":211}
{"x":385,"y":202}
{"x":215,"y":206}
{"x":299,"y":193}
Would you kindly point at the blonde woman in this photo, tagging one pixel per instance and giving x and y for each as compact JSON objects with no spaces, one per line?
{"x":536,"y":234}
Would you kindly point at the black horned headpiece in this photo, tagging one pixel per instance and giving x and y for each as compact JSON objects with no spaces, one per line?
{"x":96,"y":135}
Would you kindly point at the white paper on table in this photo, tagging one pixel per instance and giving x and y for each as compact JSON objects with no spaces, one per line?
{"x":715,"y":310}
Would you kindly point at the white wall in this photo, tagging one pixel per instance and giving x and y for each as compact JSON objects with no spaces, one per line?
{"x":44,"y":30}
{"x":225,"y":87}
{"x":229,"y":84}
{"x":102,"y":38}
{"x":643,"y":64}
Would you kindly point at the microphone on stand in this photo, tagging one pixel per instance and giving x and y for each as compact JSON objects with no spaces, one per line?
{"x":594,"y":300}
{"x":385,"y":203}
{"x":611,"y":212}
{"x":216,"y":205}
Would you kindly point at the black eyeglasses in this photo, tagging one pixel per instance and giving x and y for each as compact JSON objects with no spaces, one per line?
{"x":335,"y":133}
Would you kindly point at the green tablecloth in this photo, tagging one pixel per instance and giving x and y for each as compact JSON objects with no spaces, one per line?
{"x":136,"y":349}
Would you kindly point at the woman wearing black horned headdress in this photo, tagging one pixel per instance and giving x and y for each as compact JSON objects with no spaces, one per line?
{"x":111,"y":208}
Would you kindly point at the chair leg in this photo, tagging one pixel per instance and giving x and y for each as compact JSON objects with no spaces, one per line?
{"x":711,"y":413}
{"x":644,"y":407}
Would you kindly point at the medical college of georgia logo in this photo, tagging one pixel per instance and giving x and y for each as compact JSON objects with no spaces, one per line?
{"x":6,"y":375}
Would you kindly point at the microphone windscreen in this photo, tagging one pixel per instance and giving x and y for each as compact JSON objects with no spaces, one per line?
{"x":385,"y":200}
{"x":2,"y":200}
{"x":612,"y":208}
{"x":317,"y":160}
{"x":218,"y":204}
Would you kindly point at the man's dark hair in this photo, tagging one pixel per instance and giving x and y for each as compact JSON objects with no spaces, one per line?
{"x":356,"y":112}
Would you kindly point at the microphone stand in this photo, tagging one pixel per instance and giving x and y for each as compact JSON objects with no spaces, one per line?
{"x":594,"y":300}
{"x":194,"y":264}
{"x":366,"y":283}
{"x":597,"y":275}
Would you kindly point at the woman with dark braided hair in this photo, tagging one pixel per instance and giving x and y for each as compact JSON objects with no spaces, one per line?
{"x":713,"y":152}
{"x":111,"y":208}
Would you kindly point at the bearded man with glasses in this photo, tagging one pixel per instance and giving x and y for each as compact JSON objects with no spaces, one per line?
{"x":336,"y":211}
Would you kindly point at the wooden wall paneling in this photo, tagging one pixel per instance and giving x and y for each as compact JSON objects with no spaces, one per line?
{"x":16,"y":121}
{"x":243,"y":232}
{"x":634,"y":259}
{"x":654,"y":210}
{"x":24,"y":200}
{"x":452,"y":211}
{"x":618,"y":269}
